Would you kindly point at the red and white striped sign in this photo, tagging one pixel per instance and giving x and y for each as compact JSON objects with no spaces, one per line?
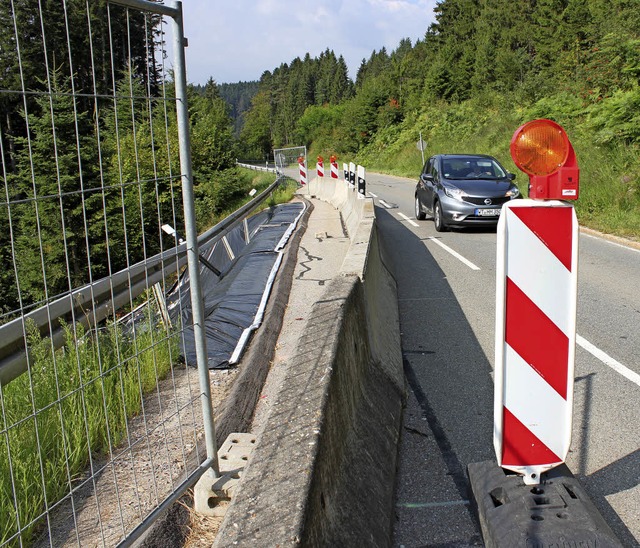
{"x":536,"y":294}
{"x":334,"y":170}
{"x":320,"y":169}
{"x":303,"y":173}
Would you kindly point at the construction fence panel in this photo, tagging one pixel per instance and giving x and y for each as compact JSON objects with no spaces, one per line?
{"x":101,"y":422}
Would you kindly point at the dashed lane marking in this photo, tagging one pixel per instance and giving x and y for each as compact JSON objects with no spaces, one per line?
{"x":454,"y":253}
{"x":412,"y":223}
{"x":608,"y":360}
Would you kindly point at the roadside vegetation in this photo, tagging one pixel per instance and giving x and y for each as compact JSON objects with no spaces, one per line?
{"x":609,"y":172}
{"x":72,"y":406}
{"x":482,"y":70}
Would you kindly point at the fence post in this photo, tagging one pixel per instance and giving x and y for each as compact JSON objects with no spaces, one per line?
{"x":192,"y":242}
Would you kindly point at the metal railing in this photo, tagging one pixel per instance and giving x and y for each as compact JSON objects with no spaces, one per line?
{"x":102,"y":426}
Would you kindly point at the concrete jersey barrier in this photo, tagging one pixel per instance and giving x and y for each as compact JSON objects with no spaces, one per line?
{"x":323,"y":471}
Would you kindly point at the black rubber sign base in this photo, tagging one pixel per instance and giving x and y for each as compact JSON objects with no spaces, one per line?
{"x":555,"y":514}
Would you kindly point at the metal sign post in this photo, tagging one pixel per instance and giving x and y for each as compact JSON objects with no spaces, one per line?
{"x":421,"y":146}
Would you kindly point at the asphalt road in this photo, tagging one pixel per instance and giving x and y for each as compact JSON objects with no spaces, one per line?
{"x":446,"y":294}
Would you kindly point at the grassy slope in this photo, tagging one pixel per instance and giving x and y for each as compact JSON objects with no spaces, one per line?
{"x":609,"y":177}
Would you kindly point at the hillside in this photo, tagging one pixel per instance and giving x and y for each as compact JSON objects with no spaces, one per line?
{"x":482,"y":69}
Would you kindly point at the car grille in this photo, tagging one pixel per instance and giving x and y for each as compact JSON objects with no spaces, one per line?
{"x":480,"y":201}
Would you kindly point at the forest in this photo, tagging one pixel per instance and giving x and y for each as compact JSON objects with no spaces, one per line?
{"x":82,"y":119}
{"x":483,"y":68}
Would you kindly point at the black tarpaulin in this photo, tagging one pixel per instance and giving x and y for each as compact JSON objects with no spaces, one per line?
{"x":233,"y":302}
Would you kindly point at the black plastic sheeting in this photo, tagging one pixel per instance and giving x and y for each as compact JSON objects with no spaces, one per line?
{"x":234,"y":302}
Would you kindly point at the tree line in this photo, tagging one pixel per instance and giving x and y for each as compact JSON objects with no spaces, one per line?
{"x":89,"y":146}
{"x":565,"y":59}
{"x":285,"y":94}
{"x":581,"y":57}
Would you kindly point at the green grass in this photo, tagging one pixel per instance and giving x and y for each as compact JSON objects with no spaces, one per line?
{"x":283,"y":193}
{"x":209,"y":212}
{"x":609,"y":198}
{"x":73,"y":402}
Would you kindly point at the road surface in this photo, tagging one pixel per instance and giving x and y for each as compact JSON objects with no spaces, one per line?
{"x":446,"y":294}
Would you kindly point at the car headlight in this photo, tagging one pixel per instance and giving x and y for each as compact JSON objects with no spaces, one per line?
{"x":513,"y":193}
{"x":454,"y":192}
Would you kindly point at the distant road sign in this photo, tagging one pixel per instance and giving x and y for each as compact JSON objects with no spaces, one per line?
{"x":422,"y":145}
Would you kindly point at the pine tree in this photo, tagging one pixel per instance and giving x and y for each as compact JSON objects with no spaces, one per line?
{"x":56,"y":179}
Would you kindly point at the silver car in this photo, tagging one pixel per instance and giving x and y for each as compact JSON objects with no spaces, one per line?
{"x":463,"y":190}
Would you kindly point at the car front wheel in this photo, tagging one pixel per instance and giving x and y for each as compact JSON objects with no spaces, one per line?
{"x":437,"y":218}
{"x":420,"y":215}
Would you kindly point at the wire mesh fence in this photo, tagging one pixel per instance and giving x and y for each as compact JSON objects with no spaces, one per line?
{"x":101,"y":422}
{"x":288,"y":157}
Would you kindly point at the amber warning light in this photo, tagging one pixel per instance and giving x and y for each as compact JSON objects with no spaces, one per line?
{"x":542,"y":150}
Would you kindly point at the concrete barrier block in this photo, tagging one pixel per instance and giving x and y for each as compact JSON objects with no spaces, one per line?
{"x":313,"y":186}
{"x":381,"y":301}
{"x":355,"y":261}
{"x":341,"y":195}
{"x":314,"y":477}
{"x":327,"y":189}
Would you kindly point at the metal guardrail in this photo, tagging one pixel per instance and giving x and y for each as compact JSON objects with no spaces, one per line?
{"x":91,"y":304}
{"x":256,"y":167}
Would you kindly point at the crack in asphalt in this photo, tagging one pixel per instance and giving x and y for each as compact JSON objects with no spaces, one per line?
{"x":309,"y":258}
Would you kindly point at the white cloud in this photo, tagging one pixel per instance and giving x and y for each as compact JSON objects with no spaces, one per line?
{"x":238,"y":40}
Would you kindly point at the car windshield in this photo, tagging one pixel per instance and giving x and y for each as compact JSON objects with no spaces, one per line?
{"x":472,"y":168}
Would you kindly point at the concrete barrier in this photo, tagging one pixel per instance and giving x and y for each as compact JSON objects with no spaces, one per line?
{"x":323,"y":471}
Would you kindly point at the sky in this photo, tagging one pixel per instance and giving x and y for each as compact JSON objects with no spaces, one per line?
{"x":237,"y":40}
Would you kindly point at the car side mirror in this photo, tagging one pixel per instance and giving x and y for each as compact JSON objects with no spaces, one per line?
{"x":427,"y":177}
{"x":511,"y":176}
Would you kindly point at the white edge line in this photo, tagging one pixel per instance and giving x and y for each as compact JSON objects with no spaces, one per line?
{"x":608,"y":360}
{"x":411,"y":222}
{"x":372,"y":194}
{"x":385,"y":204}
{"x":607,"y":241}
{"x":454,"y":253}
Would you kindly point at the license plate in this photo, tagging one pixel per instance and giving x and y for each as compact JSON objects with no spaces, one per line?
{"x":488,"y":212}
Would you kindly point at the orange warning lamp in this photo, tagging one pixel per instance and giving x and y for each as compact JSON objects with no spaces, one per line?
{"x":542,"y":150}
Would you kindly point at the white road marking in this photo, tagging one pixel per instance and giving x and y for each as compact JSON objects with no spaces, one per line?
{"x":372,"y":194}
{"x":412,"y":223}
{"x":455,"y":254}
{"x":385,"y":204}
{"x":432,"y":504}
{"x":608,"y":360}
{"x":623,"y":246}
